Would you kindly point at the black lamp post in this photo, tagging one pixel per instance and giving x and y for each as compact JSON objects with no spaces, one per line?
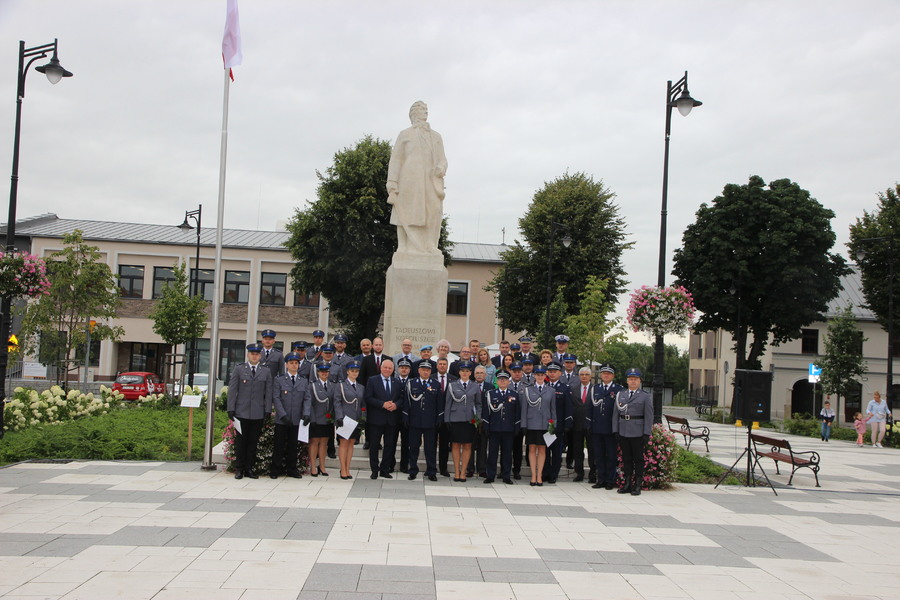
{"x":860,"y":256}
{"x":54,"y":73}
{"x":566,"y":241}
{"x":677,"y":96}
{"x":195,"y":284}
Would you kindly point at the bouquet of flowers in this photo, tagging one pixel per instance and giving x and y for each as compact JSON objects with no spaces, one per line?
{"x":23,"y":274}
{"x":661,"y":310}
{"x":551,"y":427}
{"x":476,"y":420}
{"x":362,"y":415}
{"x":329,"y":417}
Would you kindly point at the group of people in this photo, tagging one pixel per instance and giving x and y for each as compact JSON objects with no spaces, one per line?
{"x":474,"y":412}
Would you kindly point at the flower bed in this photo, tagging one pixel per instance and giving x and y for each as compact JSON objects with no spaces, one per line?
{"x":660,"y":460}
{"x":28,"y":407}
{"x":661,"y":310}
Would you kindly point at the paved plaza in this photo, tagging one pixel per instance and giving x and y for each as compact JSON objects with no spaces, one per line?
{"x":95,"y":530}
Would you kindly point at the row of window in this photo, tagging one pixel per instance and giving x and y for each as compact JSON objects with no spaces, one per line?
{"x":273,"y":289}
{"x":272,"y":292}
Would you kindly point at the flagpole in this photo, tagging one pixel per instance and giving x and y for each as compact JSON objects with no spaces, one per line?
{"x":214,"y":326}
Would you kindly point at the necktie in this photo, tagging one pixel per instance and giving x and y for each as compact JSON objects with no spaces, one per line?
{"x":267,"y":355}
{"x":631,"y":394}
{"x":387,"y":386}
{"x":253,"y":370}
{"x":325,"y":386}
{"x":442,"y":383}
{"x":293,"y":379}
{"x":353,"y":385}
{"x":378,"y":361}
{"x":583,"y":394}
{"x":464,"y":385}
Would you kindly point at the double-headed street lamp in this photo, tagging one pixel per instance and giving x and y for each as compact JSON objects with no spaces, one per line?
{"x":195,"y":284}
{"x":54,"y":72}
{"x":677,"y":96}
{"x":860,"y":256}
{"x":566,"y":242}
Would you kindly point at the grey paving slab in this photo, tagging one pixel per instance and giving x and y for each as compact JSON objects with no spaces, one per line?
{"x":461,"y":562}
{"x":310,"y":515}
{"x":264,"y":513}
{"x":401,"y":573}
{"x":333,"y":583}
{"x":18,"y":548}
{"x":194,"y":537}
{"x":312,"y":595}
{"x":652,"y":554}
{"x":518,"y":577}
{"x":139,"y":536}
{"x":408,"y":597}
{"x":69,"y":489}
{"x":67,"y":545}
{"x":380,"y":586}
{"x":622,"y":558}
{"x":625,"y":569}
{"x":108,"y":495}
{"x":569,"y":556}
{"x":353,"y":596}
{"x":522,"y":565}
{"x":569,"y":566}
{"x":309,"y":531}
{"x":272,"y":530}
{"x":620,"y":520}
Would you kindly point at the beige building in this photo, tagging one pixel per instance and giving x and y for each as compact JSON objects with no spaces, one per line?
{"x":712,"y":360}
{"x":255,"y":290}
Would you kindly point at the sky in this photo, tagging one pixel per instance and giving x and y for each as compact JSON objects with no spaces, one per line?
{"x":521,"y":91}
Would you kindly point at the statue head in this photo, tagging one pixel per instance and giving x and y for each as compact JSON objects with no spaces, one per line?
{"x":418,"y":112}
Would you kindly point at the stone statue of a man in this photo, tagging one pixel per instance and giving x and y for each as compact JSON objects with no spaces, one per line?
{"x":415,"y":185}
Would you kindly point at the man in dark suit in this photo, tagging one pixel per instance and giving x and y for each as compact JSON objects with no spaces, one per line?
{"x":371,"y":364}
{"x":465,"y":356}
{"x":579,"y":425}
{"x":383,"y":392}
{"x":601,"y":412}
{"x":249,"y":400}
{"x":271,"y":357}
{"x":497,"y":361}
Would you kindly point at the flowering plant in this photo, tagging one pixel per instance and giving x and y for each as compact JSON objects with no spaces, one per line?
{"x":329,"y":417}
{"x":23,"y":274}
{"x":264,"y":449}
{"x":362,"y":415}
{"x":660,"y":459}
{"x":476,"y":420}
{"x":661,"y":310}
{"x":28,"y":407}
{"x":551,"y":426}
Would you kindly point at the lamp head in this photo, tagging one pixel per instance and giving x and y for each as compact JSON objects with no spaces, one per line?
{"x":185,"y":226}
{"x":685,"y":103}
{"x":567,"y":240}
{"x":53,"y":70}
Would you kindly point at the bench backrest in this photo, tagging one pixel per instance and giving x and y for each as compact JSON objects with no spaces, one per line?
{"x":770,"y":441}
{"x":674,"y":419}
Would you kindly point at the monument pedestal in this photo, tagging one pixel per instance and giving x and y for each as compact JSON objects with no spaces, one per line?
{"x":415,"y":300}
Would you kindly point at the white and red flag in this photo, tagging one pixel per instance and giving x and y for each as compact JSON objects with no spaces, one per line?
{"x":231,"y":41}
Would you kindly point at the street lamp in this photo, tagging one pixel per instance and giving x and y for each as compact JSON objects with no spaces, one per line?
{"x":195,"y":283}
{"x":860,"y":256}
{"x":54,"y":73}
{"x":566,"y":242}
{"x":677,"y":96}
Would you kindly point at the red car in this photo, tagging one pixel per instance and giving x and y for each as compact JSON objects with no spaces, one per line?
{"x":138,"y":383}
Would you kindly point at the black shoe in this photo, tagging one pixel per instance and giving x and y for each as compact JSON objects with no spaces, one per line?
{"x":455,"y":479}
{"x":624,"y":490}
{"x":374,"y":475}
{"x":509,"y":482}
{"x":238,"y":475}
{"x":517,"y":476}
{"x":540,"y":484}
{"x":470,"y":474}
{"x":387,"y":475}
{"x":332,"y":455}
{"x":482,"y":474}
{"x":569,"y":466}
{"x":295,"y":474}
{"x":597,"y":486}
{"x":432,"y":478}
{"x":592,"y":479}
{"x":273,"y":476}
{"x":323,"y":473}
{"x":411,"y":476}
{"x":636,"y":491}
{"x":313,"y":474}
{"x":251,"y":475}
{"x":550,"y":480}
{"x":346,"y":476}
{"x":366,"y":446}
{"x":579,"y":477}
{"x":445,"y":473}
{"x":404,"y":470}
{"x":532,"y":483}
{"x":609,"y":486}
{"x":488,"y":480}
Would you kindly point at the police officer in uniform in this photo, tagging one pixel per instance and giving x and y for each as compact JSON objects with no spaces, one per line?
{"x":517,"y":385}
{"x":271,"y":357}
{"x":290,"y":394}
{"x":538,"y":412}
{"x":601,"y":411}
{"x":320,"y":420}
{"x":305,"y":369}
{"x":501,"y":420}
{"x":314,"y":352}
{"x":423,"y":413}
{"x":462,"y":404}
{"x":249,"y":400}
{"x":348,"y":396}
{"x":401,"y":374}
{"x":563,"y":396}
{"x":527,"y":344}
{"x":340,"y":359}
{"x":634,"y":424}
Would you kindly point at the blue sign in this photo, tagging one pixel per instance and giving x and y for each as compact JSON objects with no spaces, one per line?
{"x":814,"y":373}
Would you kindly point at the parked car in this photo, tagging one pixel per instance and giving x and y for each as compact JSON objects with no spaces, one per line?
{"x":201,"y":380}
{"x":135,"y":384}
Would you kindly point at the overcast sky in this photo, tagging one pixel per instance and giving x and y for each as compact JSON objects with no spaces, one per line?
{"x":520,"y":91}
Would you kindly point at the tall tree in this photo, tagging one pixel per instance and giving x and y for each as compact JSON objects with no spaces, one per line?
{"x":590,"y":329}
{"x":884,"y":223}
{"x":770,"y":245}
{"x":623,"y":355}
{"x":843,"y":361}
{"x":584,"y":209}
{"x":177,"y":316}
{"x":82,"y":288}
{"x":343,"y":242}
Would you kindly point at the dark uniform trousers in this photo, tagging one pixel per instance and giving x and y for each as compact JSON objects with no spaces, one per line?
{"x":402,"y":440}
{"x":518,"y":438}
{"x":503,"y":443}
{"x":576,"y":449}
{"x":285,"y":444}
{"x":605,"y":458}
{"x":374,"y":435}
{"x":418,"y":436}
{"x":632,"y":459}
{"x":246,"y":443}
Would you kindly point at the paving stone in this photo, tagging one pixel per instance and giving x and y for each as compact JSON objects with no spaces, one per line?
{"x":417,"y":588}
{"x":309,"y":531}
{"x":19,"y":548}
{"x":396,"y":573}
{"x":263,"y":513}
{"x":521,"y":565}
{"x":408,"y":597}
{"x":519,"y":577}
{"x":272,"y":530}
{"x":66,"y":545}
{"x":569,"y":556}
{"x":310,"y":515}
{"x":195,"y":537}
{"x":139,"y":536}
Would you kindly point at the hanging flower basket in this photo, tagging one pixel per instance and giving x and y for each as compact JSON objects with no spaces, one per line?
{"x":661,"y":310}
{"x":22,"y":274}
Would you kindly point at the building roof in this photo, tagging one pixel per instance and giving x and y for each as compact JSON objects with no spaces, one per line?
{"x":851,"y":294}
{"x":50,"y":225}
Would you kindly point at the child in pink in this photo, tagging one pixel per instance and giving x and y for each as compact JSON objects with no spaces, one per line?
{"x":860,"y":425}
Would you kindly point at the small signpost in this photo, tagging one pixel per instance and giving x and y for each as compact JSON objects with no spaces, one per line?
{"x":191,"y":401}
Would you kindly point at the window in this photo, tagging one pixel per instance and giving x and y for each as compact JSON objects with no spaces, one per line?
{"x":457,"y":298}
{"x":307,"y":300}
{"x":237,"y":287}
{"x":131,"y":281}
{"x":809,"y":341}
{"x":95,"y":353}
{"x":161,"y":276}
{"x":859,"y":341}
{"x":205,"y":283}
{"x":273,"y":289}
{"x":233,"y":352}
{"x":202,"y":364}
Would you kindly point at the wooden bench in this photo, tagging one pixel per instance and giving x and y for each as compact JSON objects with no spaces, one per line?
{"x":684,"y":429}
{"x":781,"y":451}
{"x":704,"y":406}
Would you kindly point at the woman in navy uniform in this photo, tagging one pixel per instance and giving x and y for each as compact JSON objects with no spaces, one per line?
{"x":423,"y":412}
{"x":600,"y":413}
{"x":538,"y":411}
{"x":319,"y":418}
{"x":290,"y":397}
{"x":462,"y":404}
{"x":501,"y":419}
{"x":349,"y":401}
{"x":250,"y":400}
{"x":634,"y":424}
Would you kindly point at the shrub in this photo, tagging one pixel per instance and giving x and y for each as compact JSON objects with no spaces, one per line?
{"x":28,"y":407}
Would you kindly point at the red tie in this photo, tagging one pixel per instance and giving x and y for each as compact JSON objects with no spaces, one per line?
{"x":442,"y":383}
{"x":583,"y":394}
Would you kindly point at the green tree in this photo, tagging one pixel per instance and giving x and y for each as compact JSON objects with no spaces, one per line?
{"x":587,"y":213}
{"x":343,"y":242}
{"x":82,"y":288}
{"x":771,"y":246}
{"x":177,"y":316}
{"x":590,"y":330}
{"x":625,"y":355}
{"x":874,"y":267}
{"x":843,"y":361}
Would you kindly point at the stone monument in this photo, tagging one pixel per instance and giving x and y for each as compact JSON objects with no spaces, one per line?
{"x":415,"y":299}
